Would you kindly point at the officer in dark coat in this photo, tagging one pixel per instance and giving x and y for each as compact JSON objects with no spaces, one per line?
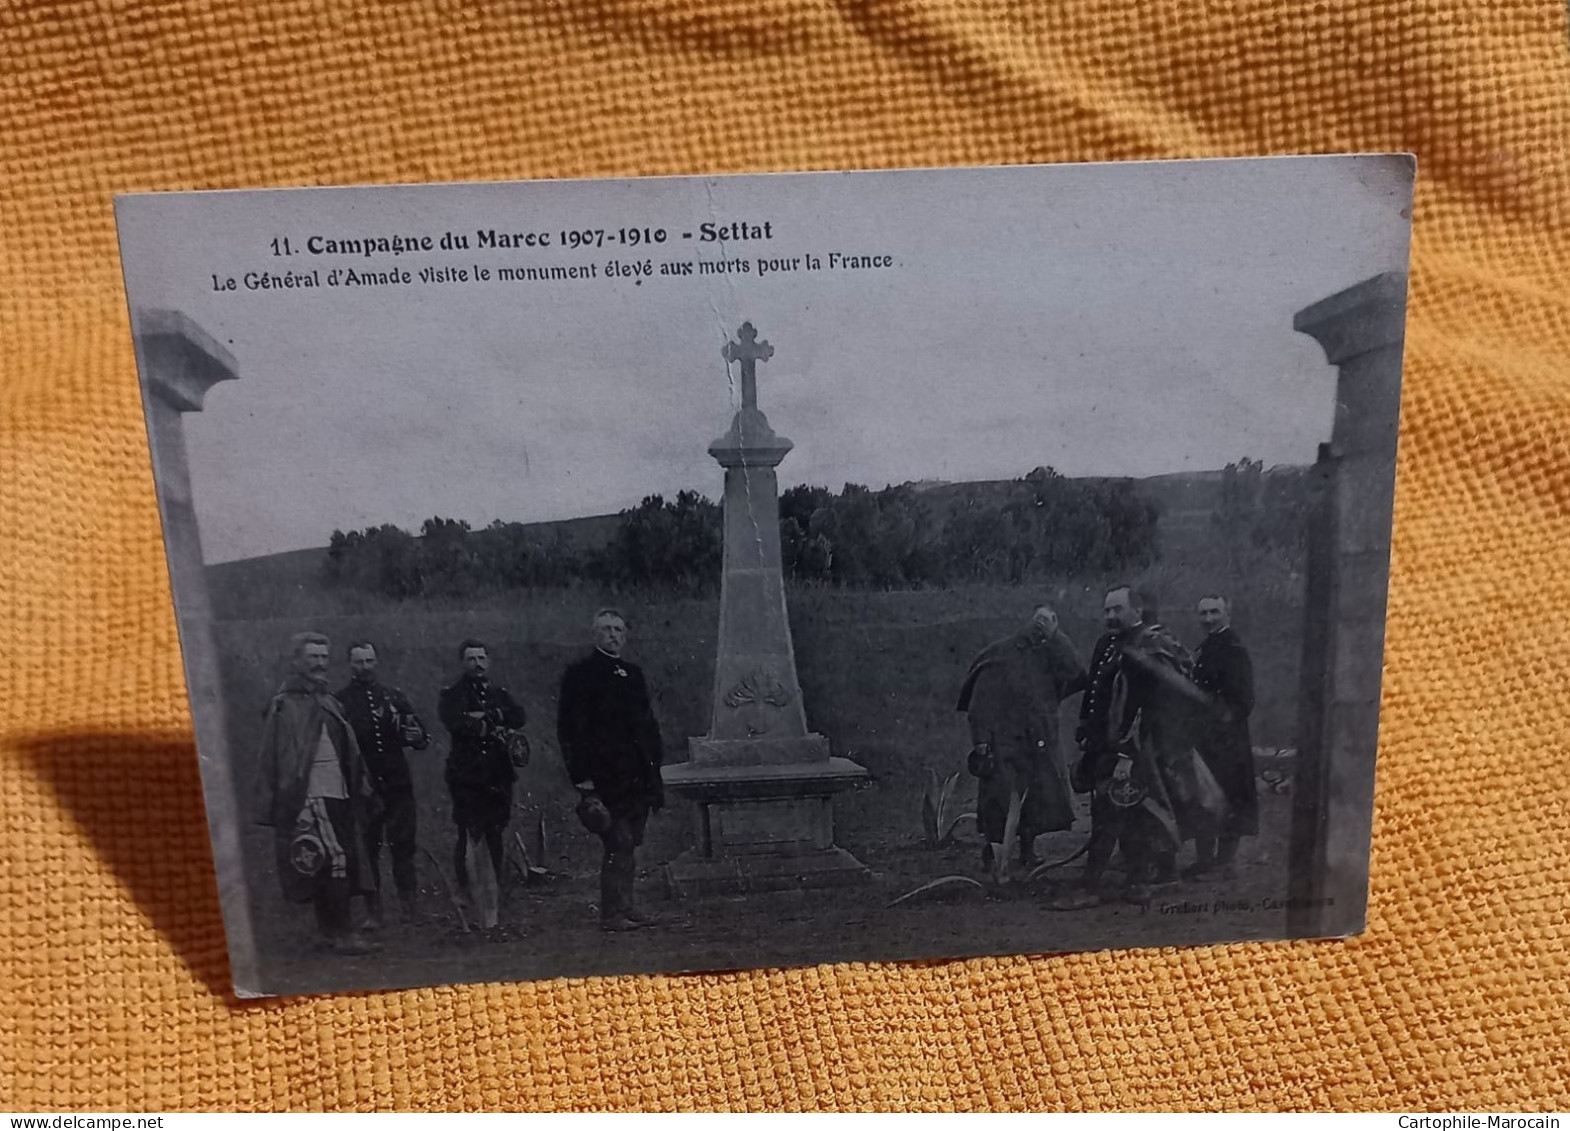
{"x":481,"y":718}
{"x":1224,"y":671}
{"x":1011,"y":697}
{"x":1105,"y":767}
{"x":611,"y":746}
{"x":1149,"y":789}
{"x":385,"y":725}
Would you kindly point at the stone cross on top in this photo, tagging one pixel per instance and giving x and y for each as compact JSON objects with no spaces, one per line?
{"x":749,"y":351}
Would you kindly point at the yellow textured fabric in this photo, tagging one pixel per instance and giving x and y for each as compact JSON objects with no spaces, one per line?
{"x":113,"y":981}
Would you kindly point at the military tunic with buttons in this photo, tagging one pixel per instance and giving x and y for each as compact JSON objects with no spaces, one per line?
{"x":480,"y":772}
{"x":378,"y":715}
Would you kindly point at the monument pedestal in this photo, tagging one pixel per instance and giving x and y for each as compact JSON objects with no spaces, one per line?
{"x":762,"y":783}
{"x":764,"y":827}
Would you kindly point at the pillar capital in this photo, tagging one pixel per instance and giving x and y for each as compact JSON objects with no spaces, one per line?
{"x":180,"y":361}
{"x":1365,"y":317}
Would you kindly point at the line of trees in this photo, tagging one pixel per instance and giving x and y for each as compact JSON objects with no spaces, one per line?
{"x":1266,"y":511}
{"x":1042,"y":525}
{"x":665,"y":546}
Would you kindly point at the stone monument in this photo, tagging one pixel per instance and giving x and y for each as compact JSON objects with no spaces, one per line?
{"x":1361,"y":330}
{"x":762,"y":782}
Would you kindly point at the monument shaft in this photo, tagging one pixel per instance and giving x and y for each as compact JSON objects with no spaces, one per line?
{"x":756,"y":691}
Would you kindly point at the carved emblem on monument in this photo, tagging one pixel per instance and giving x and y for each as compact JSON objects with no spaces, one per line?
{"x":758,"y":689}
{"x":760,"y":685}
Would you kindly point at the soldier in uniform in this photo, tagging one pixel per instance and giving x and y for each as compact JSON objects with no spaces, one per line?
{"x":1224,"y":671}
{"x":1149,"y":790}
{"x":481,"y":718}
{"x":385,"y":725}
{"x":611,"y":745}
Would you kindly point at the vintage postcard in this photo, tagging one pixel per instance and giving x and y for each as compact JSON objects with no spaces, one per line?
{"x":522,"y":642}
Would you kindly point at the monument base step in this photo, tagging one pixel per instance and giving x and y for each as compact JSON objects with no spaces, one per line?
{"x":691,"y":874}
{"x":707,"y":782}
{"x":778,"y":750}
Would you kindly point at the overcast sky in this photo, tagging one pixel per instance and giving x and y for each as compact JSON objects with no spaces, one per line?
{"x":1102,"y":319}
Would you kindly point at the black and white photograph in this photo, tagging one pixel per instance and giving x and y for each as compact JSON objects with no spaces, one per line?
{"x":700,"y":573}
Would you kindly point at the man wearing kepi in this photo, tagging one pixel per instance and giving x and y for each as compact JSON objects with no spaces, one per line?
{"x":611,"y":745}
{"x":1011,"y":696}
{"x":312,"y":789}
{"x":481,"y":717}
{"x":1224,"y":671}
{"x":385,"y":725}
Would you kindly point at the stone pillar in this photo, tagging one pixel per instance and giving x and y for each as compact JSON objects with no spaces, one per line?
{"x":1361,"y":330}
{"x":179,"y":362}
{"x":762,"y":782}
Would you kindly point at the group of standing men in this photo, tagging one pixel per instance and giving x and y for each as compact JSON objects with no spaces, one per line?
{"x":1163,"y":734}
{"x":1165,"y":751}
{"x":333,"y":776}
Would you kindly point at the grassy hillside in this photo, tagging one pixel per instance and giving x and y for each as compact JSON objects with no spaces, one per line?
{"x":294,"y":583}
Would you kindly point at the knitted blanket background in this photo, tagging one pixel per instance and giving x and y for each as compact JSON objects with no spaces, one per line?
{"x":113,"y":980}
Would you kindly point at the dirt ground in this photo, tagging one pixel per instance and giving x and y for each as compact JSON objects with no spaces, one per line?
{"x":549,"y":928}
